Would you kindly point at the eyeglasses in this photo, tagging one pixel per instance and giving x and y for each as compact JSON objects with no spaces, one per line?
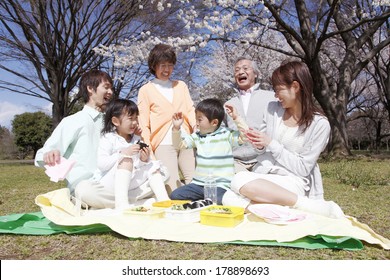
{"x":166,"y":66}
{"x":244,"y":68}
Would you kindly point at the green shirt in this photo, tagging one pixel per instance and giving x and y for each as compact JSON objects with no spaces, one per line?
{"x":76,"y":137}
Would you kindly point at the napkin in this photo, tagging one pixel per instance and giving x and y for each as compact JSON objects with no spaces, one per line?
{"x":273,"y":213}
{"x":59,"y":171}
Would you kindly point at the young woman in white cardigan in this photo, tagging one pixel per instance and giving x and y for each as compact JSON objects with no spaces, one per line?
{"x":293,"y":135}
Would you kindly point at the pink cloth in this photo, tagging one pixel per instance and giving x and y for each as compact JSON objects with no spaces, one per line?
{"x":273,"y":213}
{"x":59,"y":171}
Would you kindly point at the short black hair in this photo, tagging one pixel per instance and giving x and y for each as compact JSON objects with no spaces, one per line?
{"x":212,"y":108}
{"x":92,"y":78}
{"x":116,"y":108}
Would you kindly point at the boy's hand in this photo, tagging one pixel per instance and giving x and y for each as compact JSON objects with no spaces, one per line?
{"x":177,"y":120}
{"x":231,"y":111}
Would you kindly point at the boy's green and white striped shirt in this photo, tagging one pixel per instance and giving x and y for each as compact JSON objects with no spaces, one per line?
{"x":214,"y":154}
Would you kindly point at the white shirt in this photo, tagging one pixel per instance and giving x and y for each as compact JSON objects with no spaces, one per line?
{"x":109,"y":150}
{"x":109,"y":156}
{"x":246,"y":98}
{"x":166,"y":89}
{"x":290,"y":137}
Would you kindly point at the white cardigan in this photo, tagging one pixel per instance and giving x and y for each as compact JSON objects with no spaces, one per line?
{"x":303,"y":164}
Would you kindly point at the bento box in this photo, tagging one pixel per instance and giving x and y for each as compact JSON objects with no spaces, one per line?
{"x":184,"y":215}
{"x":142,"y":212}
{"x":222,"y":216}
{"x":169,"y":203}
{"x":187,"y":212}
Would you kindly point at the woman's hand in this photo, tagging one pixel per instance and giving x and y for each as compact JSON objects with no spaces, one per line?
{"x":258,"y":139}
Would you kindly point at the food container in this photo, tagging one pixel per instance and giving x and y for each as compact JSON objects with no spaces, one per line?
{"x":169,"y":203}
{"x":222,"y":216}
{"x":145,"y":213}
{"x":187,"y":215}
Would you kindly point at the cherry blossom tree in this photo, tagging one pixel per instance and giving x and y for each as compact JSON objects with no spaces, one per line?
{"x":218,"y":70}
{"x":379,"y":70}
{"x":47,"y":45}
{"x":333,"y":37}
{"x":367,"y":117}
{"x":308,"y":28}
{"x":337,"y":39}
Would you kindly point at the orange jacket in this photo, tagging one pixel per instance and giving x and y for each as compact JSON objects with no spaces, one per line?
{"x":155,"y":111}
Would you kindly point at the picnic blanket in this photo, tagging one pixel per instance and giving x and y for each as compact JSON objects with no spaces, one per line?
{"x":314,"y":232}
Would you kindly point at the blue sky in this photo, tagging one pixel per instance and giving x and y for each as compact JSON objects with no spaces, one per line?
{"x":12,"y":104}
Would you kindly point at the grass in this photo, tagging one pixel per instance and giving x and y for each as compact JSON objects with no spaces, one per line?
{"x":360,"y":186}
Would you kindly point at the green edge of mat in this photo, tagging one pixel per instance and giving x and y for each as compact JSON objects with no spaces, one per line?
{"x":37,"y":224}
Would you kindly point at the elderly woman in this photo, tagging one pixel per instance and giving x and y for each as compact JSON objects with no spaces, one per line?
{"x":293,"y":135}
{"x":158,"y":100}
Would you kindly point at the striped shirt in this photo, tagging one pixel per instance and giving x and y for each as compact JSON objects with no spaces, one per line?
{"x":214,"y":154}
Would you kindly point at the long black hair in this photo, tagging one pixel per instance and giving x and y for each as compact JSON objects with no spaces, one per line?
{"x":291,"y":71}
{"x":117,"y":108}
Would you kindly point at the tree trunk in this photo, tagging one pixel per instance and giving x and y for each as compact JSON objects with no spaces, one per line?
{"x":332,"y":101}
{"x":378,"y":137}
{"x":58,"y":110}
{"x":339,"y":139}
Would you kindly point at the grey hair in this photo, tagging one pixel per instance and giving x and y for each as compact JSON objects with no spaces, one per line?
{"x":254,"y":64}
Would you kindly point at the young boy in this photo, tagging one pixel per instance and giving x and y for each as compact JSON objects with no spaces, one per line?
{"x":77,"y":138}
{"x":214,"y":145}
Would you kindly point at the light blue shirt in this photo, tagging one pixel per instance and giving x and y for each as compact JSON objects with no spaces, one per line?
{"x":77,"y":138}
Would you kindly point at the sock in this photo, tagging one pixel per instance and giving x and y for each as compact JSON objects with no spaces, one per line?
{"x":321,"y":207}
{"x":122,"y":182}
{"x":230,"y":198}
{"x":157,"y":185}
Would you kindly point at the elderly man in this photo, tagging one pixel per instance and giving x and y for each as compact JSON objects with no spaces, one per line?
{"x":250,"y":102}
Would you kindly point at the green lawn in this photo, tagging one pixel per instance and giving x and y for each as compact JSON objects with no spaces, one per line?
{"x":360,"y":186}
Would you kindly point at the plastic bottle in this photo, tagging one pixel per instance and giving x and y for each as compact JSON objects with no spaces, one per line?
{"x":210,"y":188}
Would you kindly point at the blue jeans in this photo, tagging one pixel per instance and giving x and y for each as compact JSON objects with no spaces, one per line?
{"x":194,"y":192}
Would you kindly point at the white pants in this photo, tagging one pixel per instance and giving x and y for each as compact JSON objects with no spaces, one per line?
{"x":97,"y":196}
{"x":289,"y":182}
{"x":139,"y":175}
{"x":176,"y":161}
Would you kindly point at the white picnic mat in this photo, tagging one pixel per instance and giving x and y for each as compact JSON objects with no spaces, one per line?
{"x":56,"y":207}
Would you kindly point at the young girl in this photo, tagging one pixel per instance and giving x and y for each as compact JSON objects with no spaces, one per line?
{"x":124,"y":165}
